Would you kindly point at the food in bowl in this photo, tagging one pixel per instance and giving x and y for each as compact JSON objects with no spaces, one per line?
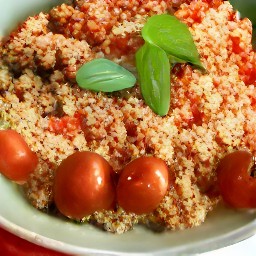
{"x":211,"y":113}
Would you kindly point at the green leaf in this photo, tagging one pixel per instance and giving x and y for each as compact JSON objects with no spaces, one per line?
{"x":174,"y":60}
{"x":173,"y":36}
{"x":154,"y":75}
{"x":105,"y":76}
{"x":247,"y":8}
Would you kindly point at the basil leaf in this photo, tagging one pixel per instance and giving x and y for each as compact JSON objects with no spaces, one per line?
{"x":174,"y":60}
{"x":173,"y":36}
{"x":246,"y":8}
{"x":105,"y":76}
{"x":154,"y":75}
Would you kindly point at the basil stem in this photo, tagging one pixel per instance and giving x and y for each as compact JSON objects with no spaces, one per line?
{"x":173,"y":36}
{"x":105,"y":76}
{"x":154,"y":75}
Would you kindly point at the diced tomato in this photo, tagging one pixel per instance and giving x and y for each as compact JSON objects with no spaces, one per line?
{"x":236,"y":45}
{"x":65,"y":124}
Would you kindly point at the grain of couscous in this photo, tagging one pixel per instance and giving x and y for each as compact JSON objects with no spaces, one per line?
{"x":211,"y":114}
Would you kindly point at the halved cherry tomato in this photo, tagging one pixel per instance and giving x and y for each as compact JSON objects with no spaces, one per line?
{"x":236,"y":185}
{"x":17,"y":160}
{"x":142,"y":185}
{"x":83,"y":184}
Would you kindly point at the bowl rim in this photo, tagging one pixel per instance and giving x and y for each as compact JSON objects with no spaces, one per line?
{"x":207,"y":245}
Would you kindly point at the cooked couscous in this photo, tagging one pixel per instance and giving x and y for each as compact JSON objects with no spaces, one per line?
{"x":211,"y":113}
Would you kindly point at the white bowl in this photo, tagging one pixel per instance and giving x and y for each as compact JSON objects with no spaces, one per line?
{"x":222,"y":227}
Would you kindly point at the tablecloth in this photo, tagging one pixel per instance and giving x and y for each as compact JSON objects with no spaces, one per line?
{"x":11,"y":245}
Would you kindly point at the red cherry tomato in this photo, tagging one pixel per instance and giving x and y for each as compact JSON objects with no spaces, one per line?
{"x":83,"y":184}
{"x":236,"y":185}
{"x":142,"y":185}
{"x":17,"y":160}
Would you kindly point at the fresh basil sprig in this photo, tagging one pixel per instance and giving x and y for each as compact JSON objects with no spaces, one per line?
{"x":154,"y":74}
{"x":167,"y":40}
{"x":173,"y":36}
{"x":105,"y":76}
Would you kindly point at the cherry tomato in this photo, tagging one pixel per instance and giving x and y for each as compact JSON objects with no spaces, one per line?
{"x":236,"y":185}
{"x":142,"y":185}
{"x":83,"y":184}
{"x":17,"y":160}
